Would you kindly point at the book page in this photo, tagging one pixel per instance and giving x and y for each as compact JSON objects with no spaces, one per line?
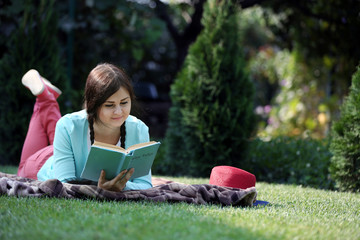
{"x":140,"y":145}
{"x":120,"y":149}
{"x":109,"y":146}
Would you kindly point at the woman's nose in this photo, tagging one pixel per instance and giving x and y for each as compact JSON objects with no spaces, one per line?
{"x":118,"y":109}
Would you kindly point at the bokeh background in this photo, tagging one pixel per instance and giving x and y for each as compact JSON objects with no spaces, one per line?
{"x":299,"y":56}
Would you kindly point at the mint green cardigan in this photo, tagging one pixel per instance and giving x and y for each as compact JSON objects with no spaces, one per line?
{"x":71,"y":148}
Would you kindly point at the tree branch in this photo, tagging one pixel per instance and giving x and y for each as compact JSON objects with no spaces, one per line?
{"x":307,"y":11}
{"x":193,"y":29}
{"x":248,"y":3}
{"x":161,"y":12}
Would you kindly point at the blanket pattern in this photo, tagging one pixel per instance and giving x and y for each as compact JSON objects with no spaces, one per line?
{"x":12,"y":185}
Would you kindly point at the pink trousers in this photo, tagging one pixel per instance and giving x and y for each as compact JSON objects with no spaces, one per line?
{"x":38,"y":147}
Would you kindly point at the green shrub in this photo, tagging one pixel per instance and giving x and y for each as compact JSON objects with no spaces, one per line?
{"x":345,"y":164}
{"x":212,"y":116}
{"x":291,"y":160}
{"x":33,"y":45}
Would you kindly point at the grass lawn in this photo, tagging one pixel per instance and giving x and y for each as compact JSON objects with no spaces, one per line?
{"x":295,"y":213}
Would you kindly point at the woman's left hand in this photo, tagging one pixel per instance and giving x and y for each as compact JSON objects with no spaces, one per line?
{"x":118,"y":183}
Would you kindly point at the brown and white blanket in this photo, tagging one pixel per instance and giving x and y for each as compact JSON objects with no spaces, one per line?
{"x":163,"y":191}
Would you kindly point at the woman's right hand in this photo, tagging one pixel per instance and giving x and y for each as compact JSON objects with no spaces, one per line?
{"x":118,"y":183}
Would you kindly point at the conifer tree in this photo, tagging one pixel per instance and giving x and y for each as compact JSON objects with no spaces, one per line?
{"x":211,"y":118}
{"x":32,"y":45}
{"x":345,"y":145}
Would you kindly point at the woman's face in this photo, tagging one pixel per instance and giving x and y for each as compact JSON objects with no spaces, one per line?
{"x":115,"y":110}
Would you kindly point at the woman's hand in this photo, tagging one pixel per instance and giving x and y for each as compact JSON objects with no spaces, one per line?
{"x":118,"y":183}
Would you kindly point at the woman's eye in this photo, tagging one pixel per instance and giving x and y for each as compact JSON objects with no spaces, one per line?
{"x":123,"y":103}
{"x":109,"y":105}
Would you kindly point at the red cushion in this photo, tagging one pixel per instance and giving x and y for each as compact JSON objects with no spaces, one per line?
{"x":227,"y":176}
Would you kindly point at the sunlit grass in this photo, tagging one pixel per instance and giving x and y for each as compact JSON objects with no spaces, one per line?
{"x":295,"y":213}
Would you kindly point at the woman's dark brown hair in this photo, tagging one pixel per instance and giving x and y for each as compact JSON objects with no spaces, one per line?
{"x":103,"y":81}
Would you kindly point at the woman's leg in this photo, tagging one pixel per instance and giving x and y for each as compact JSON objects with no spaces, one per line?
{"x":42,"y":123}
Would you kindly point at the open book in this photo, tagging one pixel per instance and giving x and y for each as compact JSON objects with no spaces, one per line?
{"x":113,"y":159}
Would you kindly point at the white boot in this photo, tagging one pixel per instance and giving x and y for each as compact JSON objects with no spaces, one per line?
{"x":32,"y":80}
{"x":36,"y":83}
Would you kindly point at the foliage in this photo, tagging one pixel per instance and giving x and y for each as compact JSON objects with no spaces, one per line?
{"x":345,"y":164}
{"x":125,"y":33}
{"x":212,"y":114}
{"x":33,"y":45}
{"x":330,"y":28}
{"x":257,"y":41}
{"x":294,"y":92}
{"x":302,"y":105}
{"x":128,"y":34}
{"x":303,"y":82}
{"x":294,"y":213}
{"x":121,"y":32}
{"x":290,"y":160}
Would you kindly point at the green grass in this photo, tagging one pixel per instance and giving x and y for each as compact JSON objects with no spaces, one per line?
{"x":295,"y":213}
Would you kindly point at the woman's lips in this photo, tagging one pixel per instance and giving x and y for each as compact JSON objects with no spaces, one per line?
{"x":116,"y":118}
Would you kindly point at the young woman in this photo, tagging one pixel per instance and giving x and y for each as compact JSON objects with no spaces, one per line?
{"x":60,"y":152}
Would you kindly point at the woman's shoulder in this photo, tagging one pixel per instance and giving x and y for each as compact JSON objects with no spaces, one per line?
{"x":79,"y":115}
{"x":136,"y":131}
{"x":133,"y":119}
{"x":74,"y":118}
{"x":134,"y":122}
